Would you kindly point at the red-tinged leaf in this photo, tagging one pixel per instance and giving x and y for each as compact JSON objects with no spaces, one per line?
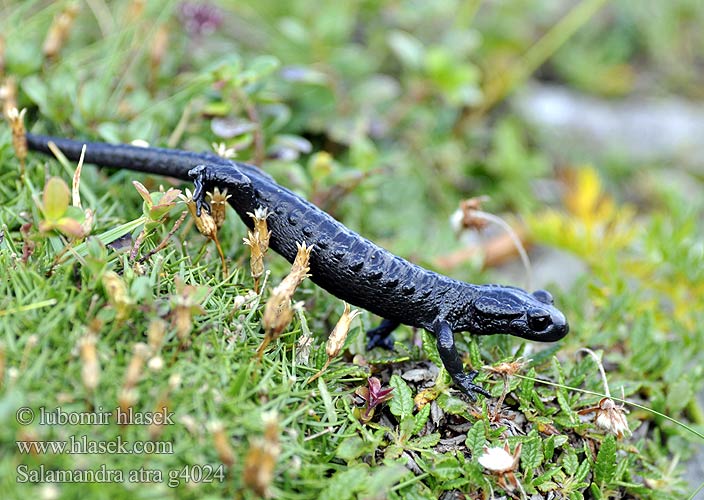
{"x":70,"y":227}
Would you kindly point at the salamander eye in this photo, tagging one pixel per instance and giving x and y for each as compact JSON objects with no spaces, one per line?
{"x":539,"y":320}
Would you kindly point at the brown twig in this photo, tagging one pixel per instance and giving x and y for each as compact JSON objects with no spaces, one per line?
{"x":165,"y":241}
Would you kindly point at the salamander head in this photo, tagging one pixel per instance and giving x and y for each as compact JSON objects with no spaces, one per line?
{"x":532,"y":316}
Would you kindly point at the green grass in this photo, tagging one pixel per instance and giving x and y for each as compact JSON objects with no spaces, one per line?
{"x":399,"y":97}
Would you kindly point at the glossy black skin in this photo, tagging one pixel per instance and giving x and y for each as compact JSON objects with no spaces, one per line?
{"x":343,"y":262}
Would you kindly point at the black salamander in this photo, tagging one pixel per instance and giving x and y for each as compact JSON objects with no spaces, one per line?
{"x":343,"y":262}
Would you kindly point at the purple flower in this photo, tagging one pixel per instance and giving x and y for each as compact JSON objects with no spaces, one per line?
{"x":200,"y":18}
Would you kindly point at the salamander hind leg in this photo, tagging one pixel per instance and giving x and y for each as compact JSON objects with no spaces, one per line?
{"x":223,"y":176}
{"x":453,"y":363}
{"x":381,"y":335}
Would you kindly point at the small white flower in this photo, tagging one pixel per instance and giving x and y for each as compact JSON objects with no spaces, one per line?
{"x":156,"y":363}
{"x":223,"y":151}
{"x":497,"y":459}
{"x":140,"y":143}
{"x":261,"y":213}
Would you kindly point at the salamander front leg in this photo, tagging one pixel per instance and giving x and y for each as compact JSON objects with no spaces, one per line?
{"x":199,"y":176}
{"x":224,"y":176}
{"x":453,"y":363}
{"x":381,"y":335}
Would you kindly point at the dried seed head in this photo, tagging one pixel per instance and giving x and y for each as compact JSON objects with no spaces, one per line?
{"x":299,"y":271}
{"x":277,"y":315}
{"x":19,"y":139}
{"x":221,"y":442}
{"x":116,"y":290}
{"x":259,"y":217}
{"x":218,"y":205}
{"x":508,"y":369}
{"x":259,"y":467}
{"x":262,"y":456}
{"x":256,"y":258}
{"x":126,"y":399}
{"x":205,"y":223}
{"x":467,"y":217}
{"x":277,"y":311}
{"x":185,"y":304}
{"x":156,"y":428}
{"x":270,"y":419}
{"x":8,"y":95}
{"x":90,"y":371}
{"x":155,"y":334}
{"x":140,"y":351}
{"x":610,"y":417}
{"x":303,"y":348}
{"x":339,"y":334}
{"x":59,"y":31}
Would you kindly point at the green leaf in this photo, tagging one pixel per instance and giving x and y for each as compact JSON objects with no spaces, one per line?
{"x":446,"y":468}
{"x":570,"y":462}
{"x":475,"y":356}
{"x":92,"y":98}
{"x":56,"y":196}
{"x":345,"y":483}
{"x":421,"y":418}
{"x":353,"y":447}
{"x":596,"y":492}
{"x":37,"y":90}
{"x":405,"y":428}
{"x":382,"y":478}
{"x":109,"y":132}
{"x":327,"y":401}
{"x":401,"y":405}
{"x":260,"y":68}
{"x":430,"y":347}
{"x":582,"y":471}
{"x":549,"y":448}
{"x":407,"y":48}
{"x":532,"y":453}
{"x":453,"y":405}
{"x":476,"y":438}
{"x":605,"y":465}
{"x":679,"y":394}
{"x":545,"y":477}
{"x":427,"y":441}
